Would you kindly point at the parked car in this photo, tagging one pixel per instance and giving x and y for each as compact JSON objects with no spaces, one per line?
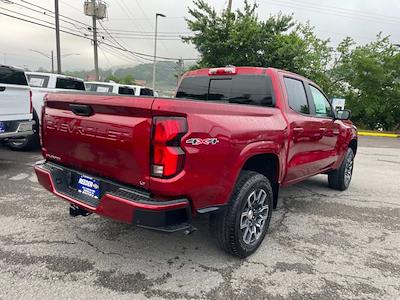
{"x":15,"y":104}
{"x":117,"y":88}
{"x":41,"y":84}
{"x":224,"y":146}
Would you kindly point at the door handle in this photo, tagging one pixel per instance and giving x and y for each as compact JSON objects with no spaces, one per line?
{"x":322,"y":129}
{"x":2,"y":88}
{"x":81,"y":109}
{"x":298,"y":130}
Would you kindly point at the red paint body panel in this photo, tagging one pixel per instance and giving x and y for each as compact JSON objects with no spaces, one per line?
{"x":115,"y":142}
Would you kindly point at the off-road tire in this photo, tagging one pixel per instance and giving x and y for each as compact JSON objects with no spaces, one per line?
{"x":337,"y":178}
{"x":225,"y":226}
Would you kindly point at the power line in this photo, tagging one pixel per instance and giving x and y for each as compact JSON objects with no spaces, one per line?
{"x":346,"y":10}
{"x":85,"y":37}
{"x":28,"y":16}
{"x":326,"y":10}
{"x":52,"y":12}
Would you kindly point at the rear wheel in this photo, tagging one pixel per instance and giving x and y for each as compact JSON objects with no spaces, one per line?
{"x":31,"y":142}
{"x":340,"y":179}
{"x":241,"y":228}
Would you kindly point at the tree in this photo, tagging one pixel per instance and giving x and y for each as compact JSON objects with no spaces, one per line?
{"x":113,"y":78}
{"x":128,"y":79}
{"x":368,"y":76}
{"x":371,"y":76}
{"x":240,"y":38}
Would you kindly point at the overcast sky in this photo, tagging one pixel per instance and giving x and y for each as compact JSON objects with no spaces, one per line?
{"x":360,"y":19}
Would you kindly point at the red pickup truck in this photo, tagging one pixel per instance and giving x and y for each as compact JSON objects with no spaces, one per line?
{"x":223,"y":146}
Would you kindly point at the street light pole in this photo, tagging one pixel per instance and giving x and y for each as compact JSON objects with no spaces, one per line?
{"x":51,"y":56}
{"x":155,"y":50}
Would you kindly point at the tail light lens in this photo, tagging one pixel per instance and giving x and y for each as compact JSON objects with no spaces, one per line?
{"x":168,"y":156}
{"x":30,"y":102}
{"x":40,"y":126}
{"x":223,"y":71}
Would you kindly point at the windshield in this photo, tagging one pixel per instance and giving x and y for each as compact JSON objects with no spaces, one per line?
{"x":70,"y":84}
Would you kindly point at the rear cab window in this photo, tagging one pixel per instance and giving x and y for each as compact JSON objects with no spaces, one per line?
{"x":237,"y":89}
{"x":10,"y":75}
{"x":40,"y":81}
{"x":70,"y":84}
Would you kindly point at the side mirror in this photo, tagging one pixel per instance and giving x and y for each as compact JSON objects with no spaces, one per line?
{"x":343,"y":114}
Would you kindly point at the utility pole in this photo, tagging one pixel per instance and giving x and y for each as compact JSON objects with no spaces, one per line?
{"x":155,"y":50}
{"x":229,"y":6}
{"x":58,"y":48}
{"x":179,"y":69}
{"x":96,"y":10}
{"x":96,"y":57}
{"x":52,"y":61}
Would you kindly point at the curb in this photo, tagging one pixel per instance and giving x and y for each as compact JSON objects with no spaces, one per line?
{"x":379,"y":134}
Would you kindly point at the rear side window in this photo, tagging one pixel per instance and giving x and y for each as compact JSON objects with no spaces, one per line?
{"x":241,"y":89}
{"x":146,"y":92}
{"x":124,"y":90}
{"x":296,"y":95}
{"x":70,"y":84}
{"x":38,"y":80}
{"x":12,"y":76}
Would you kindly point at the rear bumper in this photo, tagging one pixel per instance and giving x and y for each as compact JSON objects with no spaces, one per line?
{"x":117,"y":202}
{"x":18,"y":129}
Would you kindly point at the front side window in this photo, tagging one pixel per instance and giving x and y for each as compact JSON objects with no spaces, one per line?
{"x":124,"y":90}
{"x":297,"y":97}
{"x":146,"y":92}
{"x":322,"y":105}
{"x":70,"y":84}
{"x":100,"y":88}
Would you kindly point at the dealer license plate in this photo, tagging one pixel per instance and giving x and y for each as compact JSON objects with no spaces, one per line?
{"x":88,"y":186}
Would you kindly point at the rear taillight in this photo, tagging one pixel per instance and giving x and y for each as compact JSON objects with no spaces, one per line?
{"x":30,"y":102}
{"x":168,"y":156}
{"x":40,"y":126}
{"x":222,"y":71}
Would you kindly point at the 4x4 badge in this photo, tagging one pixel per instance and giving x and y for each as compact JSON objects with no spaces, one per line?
{"x":199,"y":141}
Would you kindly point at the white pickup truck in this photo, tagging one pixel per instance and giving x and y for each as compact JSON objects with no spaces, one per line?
{"x":118,"y":88}
{"x":15,"y":104}
{"x":41,"y":84}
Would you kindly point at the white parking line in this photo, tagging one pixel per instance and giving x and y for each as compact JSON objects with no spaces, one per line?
{"x":20,"y":176}
{"x":33,"y":178}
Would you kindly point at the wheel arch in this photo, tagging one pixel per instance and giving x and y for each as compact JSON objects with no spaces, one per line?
{"x":353,"y":145}
{"x":266,"y":164}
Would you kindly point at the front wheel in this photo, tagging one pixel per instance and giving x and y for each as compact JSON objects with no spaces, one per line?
{"x":340,"y":179}
{"x":241,"y":228}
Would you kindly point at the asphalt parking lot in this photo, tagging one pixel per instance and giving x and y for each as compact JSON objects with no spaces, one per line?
{"x":322,"y":244}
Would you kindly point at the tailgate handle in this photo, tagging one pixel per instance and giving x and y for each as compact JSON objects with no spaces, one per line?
{"x":81,"y":109}
{"x":2,"y":88}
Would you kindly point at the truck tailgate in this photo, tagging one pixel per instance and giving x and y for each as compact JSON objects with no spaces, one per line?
{"x":103,"y":135}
